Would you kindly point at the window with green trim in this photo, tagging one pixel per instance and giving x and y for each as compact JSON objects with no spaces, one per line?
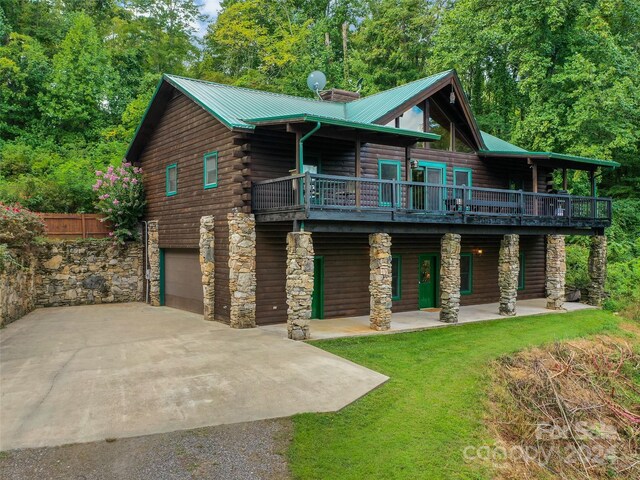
{"x":211,"y":170}
{"x":462,"y":177}
{"x":396,"y":277}
{"x":466,"y":273}
{"x":521,"y":273}
{"x":172,"y":180}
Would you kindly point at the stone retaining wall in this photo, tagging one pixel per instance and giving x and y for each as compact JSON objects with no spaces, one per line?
{"x":17,"y":286}
{"x":87,"y":272}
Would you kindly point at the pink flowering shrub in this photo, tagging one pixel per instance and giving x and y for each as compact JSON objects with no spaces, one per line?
{"x":121,"y":200}
{"x":19,"y":226}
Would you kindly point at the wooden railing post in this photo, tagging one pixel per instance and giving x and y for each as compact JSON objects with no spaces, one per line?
{"x":84,"y":225}
{"x":307,"y":192}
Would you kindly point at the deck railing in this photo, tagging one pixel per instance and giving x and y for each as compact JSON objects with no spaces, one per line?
{"x":327,"y":192}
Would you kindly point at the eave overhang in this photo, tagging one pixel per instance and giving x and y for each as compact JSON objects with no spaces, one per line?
{"x":589,"y":163}
{"x":368,"y":127}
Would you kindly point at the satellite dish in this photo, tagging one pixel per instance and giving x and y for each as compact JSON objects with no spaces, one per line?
{"x":316,"y":81}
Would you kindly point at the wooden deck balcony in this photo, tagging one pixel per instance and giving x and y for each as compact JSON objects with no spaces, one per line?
{"x":338,"y":198}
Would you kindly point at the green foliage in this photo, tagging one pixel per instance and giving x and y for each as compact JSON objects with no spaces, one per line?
{"x":77,"y":93}
{"x":623,"y":257}
{"x":419,"y":422}
{"x":19,"y":226}
{"x":121,"y":200}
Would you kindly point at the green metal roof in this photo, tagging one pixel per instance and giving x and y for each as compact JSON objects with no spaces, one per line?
{"x":369,"y":109}
{"x":499,"y":147}
{"x":244,"y":108}
{"x":234,"y":105}
{"x":495,"y":144}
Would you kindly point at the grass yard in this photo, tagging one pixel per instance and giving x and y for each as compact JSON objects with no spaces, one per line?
{"x":418,"y":423}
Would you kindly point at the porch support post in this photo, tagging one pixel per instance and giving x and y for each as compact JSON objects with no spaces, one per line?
{"x":207,"y":264}
{"x":299,"y":284}
{"x":508,"y":269}
{"x":597,"y":270}
{"x":556,"y":269}
{"x":358,"y":168}
{"x":380,"y":286}
{"x":242,"y":269}
{"x":153,"y":253}
{"x":450,"y":277}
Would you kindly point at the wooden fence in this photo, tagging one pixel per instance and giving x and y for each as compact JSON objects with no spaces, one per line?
{"x":75,"y":225}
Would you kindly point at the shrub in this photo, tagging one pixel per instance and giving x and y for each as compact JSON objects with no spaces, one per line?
{"x":121,"y":200}
{"x":19,"y":226}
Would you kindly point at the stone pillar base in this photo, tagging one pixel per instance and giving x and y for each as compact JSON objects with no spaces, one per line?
{"x":380,"y":287}
{"x":556,"y":270}
{"x":207,"y":265}
{"x":153,"y":254}
{"x":299,"y":286}
{"x":508,"y":269}
{"x":450,"y":277}
{"x":597,"y":270}
{"x":242,"y":269}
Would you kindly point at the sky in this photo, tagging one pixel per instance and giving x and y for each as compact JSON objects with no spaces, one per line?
{"x":210,"y":8}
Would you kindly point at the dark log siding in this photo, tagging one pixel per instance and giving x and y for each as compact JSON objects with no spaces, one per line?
{"x":346,"y":263}
{"x":186,"y":132}
{"x":183,"y":135}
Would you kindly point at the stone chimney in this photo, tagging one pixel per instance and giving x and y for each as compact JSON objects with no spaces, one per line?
{"x":337,"y":95}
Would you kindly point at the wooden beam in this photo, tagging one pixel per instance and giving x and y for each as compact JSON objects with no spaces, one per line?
{"x":592,"y":176}
{"x":358,"y":168}
{"x":452,"y":137}
{"x":564,"y":178}
{"x":297,"y":163}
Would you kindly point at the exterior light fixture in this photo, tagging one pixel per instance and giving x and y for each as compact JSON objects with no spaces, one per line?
{"x":414,"y":163}
{"x":477,"y":251}
{"x":452,"y":97}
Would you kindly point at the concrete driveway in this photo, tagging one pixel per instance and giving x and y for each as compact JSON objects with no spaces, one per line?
{"x":79,"y":374}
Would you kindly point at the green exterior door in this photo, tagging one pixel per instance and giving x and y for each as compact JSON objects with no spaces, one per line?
{"x":317,"y":299}
{"x":427,"y":280}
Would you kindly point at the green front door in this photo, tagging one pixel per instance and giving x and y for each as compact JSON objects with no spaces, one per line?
{"x":317,"y":299}
{"x":427,"y":280}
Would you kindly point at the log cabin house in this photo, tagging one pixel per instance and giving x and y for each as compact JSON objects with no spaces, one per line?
{"x":266,"y":208}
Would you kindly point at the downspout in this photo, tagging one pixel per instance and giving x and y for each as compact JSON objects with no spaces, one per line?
{"x":301,"y":163}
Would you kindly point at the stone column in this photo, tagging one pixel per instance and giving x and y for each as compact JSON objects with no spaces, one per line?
{"x":380,"y":288}
{"x":597,"y":270}
{"x":508,"y":269}
{"x":242,"y":269}
{"x":450,"y":277}
{"x":153,"y":254}
{"x":207,"y":264}
{"x":299,"y":285}
{"x":556,"y":269}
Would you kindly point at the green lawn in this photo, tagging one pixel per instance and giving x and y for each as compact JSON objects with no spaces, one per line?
{"x":417,"y":424}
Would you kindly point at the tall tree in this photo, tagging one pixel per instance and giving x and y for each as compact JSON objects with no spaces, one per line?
{"x":24,"y":69}
{"x":76,"y":98}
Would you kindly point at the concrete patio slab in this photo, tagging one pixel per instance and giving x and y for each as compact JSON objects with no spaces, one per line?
{"x":420,"y":319}
{"x":79,"y":374}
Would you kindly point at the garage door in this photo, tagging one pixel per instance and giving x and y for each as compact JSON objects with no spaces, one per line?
{"x":182,"y":280}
